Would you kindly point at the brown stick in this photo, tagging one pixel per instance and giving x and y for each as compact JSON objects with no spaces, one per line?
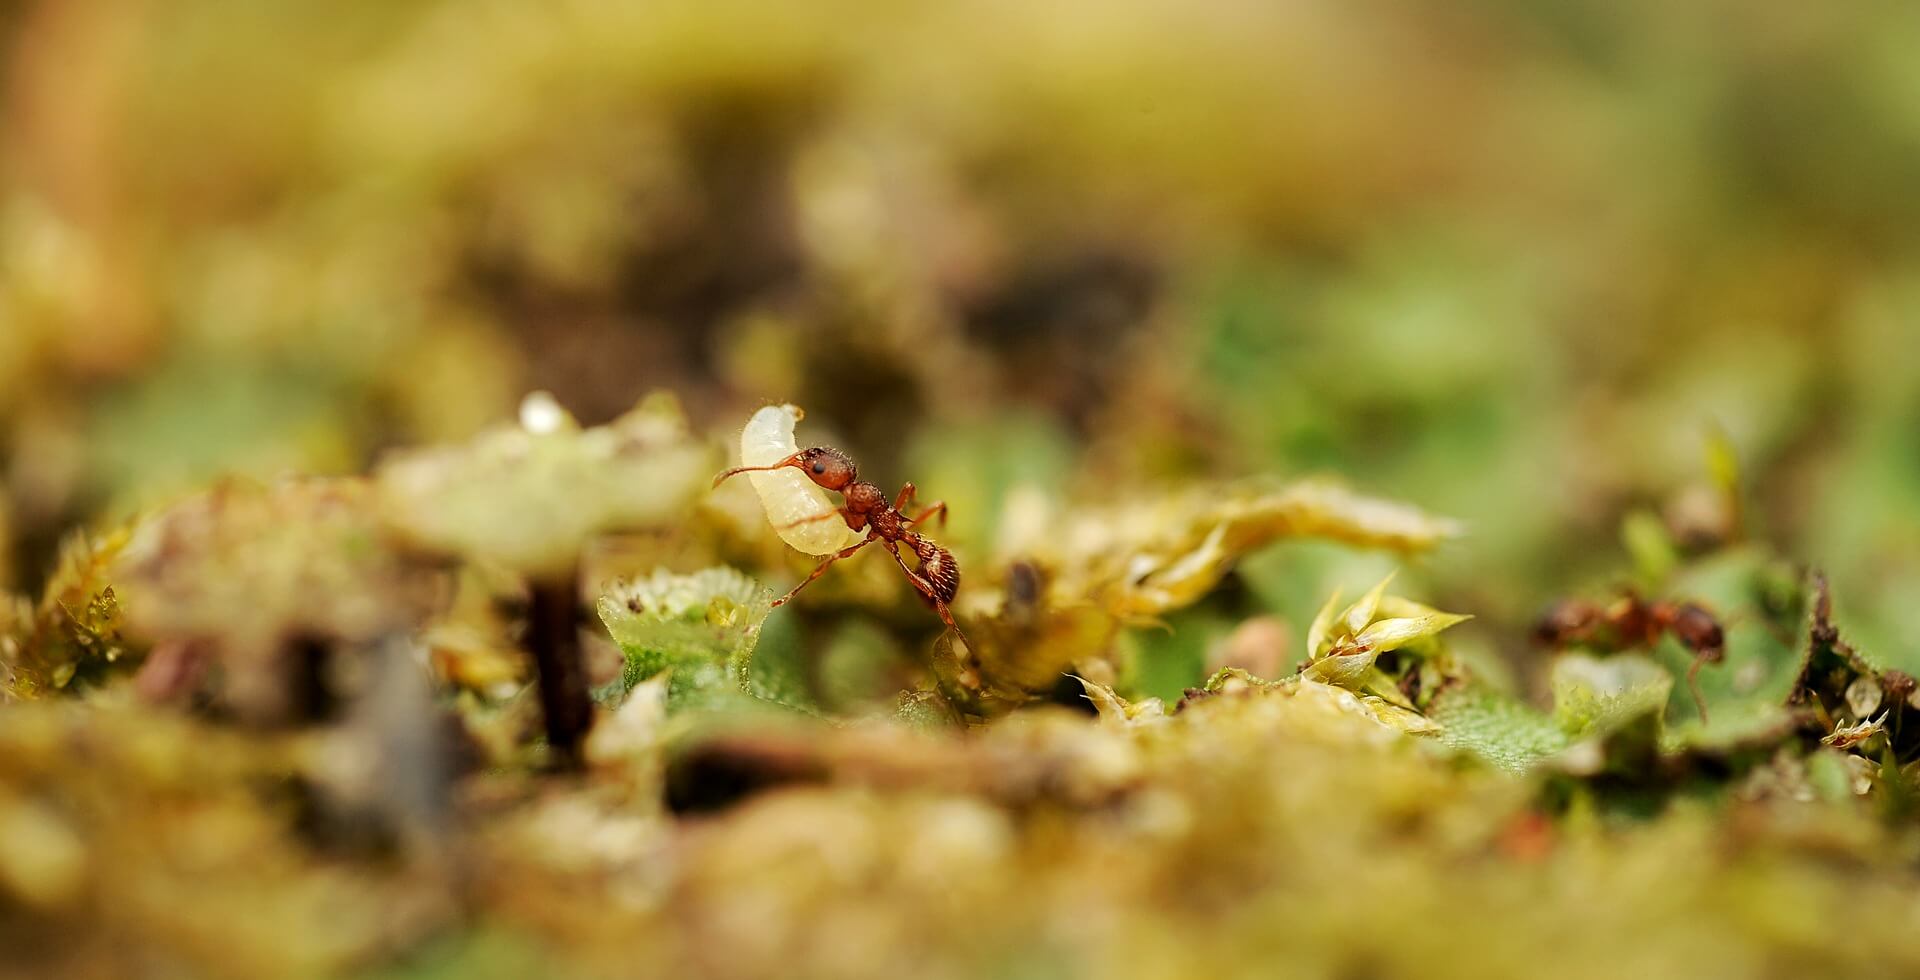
{"x":553,"y":637}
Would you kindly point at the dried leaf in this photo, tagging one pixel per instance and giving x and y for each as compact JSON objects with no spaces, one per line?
{"x":1116,"y":710}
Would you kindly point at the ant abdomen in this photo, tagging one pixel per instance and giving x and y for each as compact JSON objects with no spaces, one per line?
{"x":937,"y":564}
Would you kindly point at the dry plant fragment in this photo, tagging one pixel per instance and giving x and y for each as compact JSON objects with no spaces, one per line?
{"x":1848,"y":736}
{"x":1097,"y":570}
{"x":1150,"y":557}
{"x":1344,"y":647}
{"x":76,"y":626}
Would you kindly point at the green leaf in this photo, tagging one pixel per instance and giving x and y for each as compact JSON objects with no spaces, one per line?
{"x":1593,"y":696}
{"x":1496,"y":727}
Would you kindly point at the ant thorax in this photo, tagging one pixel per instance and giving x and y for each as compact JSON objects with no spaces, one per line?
{"x":887,"y":523}
{"x":865,"y":498}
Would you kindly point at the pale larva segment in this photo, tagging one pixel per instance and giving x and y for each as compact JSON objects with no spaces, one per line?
{"x":797,"y":507}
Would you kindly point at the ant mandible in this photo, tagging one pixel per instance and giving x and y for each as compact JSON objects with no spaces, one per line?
{"x":1632,"y":621}
{"x":866,"y":508}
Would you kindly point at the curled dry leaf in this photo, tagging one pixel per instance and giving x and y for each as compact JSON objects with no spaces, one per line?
{"x":1148,"y":558}
{"x":1106,"y":568}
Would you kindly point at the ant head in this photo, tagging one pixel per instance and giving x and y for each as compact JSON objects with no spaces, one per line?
{"x":830,"y":468}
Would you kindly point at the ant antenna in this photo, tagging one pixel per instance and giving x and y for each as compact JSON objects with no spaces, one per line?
{"x":736,"y":471}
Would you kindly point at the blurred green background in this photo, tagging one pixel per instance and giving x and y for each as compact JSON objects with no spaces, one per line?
{"x":1512,"y":262}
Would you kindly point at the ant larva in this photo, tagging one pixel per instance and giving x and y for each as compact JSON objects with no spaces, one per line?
{"x":806,"y":518}
{"x":1632,"y":621}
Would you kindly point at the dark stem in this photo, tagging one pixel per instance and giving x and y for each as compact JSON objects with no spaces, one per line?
{"x":311,"y":697}
{"x":553,"y":637}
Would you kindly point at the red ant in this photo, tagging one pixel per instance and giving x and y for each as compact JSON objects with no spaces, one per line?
{"x":1632,"y":621}
{"x":866,"y":508}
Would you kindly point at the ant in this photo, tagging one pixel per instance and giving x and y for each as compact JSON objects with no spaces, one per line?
{"x":1632,"y":621}
{"x":866,"y":508}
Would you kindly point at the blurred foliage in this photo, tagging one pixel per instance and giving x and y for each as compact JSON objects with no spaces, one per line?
{"x":1194,"y":314}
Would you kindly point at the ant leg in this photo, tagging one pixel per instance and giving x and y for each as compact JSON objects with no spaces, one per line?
{"x":906,"y":497}
{"x":1693,"y":685}
{"x":920,"y":582}
{"x":822,"y":570}
{"x":924,"y":586}
{"x":946,"y":616}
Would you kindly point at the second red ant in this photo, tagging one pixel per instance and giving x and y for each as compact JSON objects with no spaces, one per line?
{"x":1631,"y":621}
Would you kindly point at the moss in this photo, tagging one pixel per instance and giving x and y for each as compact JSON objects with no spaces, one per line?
{"x":73,"y":637}
{"x":701,"y":630}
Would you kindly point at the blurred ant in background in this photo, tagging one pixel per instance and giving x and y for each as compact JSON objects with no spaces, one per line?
{"x":1630,"y":622}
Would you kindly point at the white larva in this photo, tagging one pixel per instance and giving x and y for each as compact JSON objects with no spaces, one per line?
{"x":803,"y":514}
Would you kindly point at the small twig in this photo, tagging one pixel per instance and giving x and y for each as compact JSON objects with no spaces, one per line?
{"x":554,"y":639}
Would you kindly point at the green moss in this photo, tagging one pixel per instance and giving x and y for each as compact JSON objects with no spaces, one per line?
{"x":703,"y":629}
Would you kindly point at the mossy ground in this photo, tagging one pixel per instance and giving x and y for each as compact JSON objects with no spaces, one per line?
{"x":294,"y":773}
{"x":320,"y":660}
